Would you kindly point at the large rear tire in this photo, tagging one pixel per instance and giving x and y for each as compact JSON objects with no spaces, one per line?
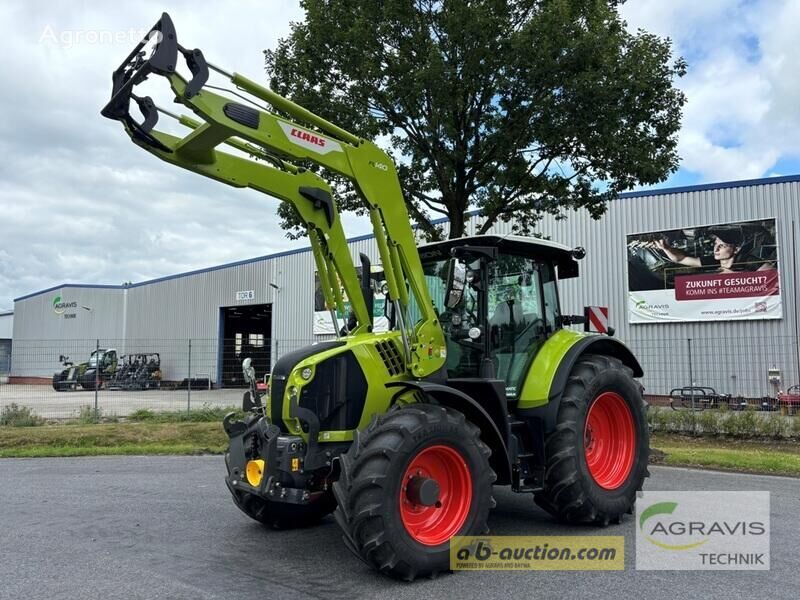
{"x":89,"y":380}
{"x":413,"y":479}
{"x":58,"y":381}
{"x":596,"y":457}
{"x":282,"y":515}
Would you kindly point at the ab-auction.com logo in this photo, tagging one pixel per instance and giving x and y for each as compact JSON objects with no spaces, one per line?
{"x":60,"y":307}
{"x":703,"y":530}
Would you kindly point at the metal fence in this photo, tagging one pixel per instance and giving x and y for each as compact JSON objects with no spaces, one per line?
{"x":177,"y":375}
{"x":749,"y":368}
{"x":51,"y":377}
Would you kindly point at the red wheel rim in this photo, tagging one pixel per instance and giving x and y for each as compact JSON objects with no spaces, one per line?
{"x":436,"y":524}
{"x":609,"y":440}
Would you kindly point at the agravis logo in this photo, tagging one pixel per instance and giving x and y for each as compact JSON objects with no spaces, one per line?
{"x":659,"y":528}
{"x":703,"y":530}
{"x":644,"y":306}
{"x":685,"y":530}
{"x":60,"y":307}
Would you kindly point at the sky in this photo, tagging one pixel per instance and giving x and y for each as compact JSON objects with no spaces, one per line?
{"x":79,"y":203}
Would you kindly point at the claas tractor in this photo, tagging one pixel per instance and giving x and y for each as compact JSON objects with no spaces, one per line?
{"x":478,"y":382}
{"x":101,"y":367}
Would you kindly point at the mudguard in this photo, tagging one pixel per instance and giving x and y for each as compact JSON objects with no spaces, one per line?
{"x":490,"y":432}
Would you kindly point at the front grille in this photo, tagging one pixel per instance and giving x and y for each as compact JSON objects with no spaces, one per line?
{"x":390,"y":355}
{"x":337,"y":393}
{"x":280,"y":375}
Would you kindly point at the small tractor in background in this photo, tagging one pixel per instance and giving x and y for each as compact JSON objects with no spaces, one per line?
{"x":478,"y":381}
{"x":86,"y":375}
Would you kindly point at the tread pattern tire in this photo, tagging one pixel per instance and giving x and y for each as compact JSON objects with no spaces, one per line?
{"x":570,"y":493}
{"x":58,"y":384}
{"x":368,"y":489}
{"x":281,"y":515}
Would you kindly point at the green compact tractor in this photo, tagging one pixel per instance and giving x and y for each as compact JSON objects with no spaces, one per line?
{"x":478,"y":382}
{"x":86,"y":374}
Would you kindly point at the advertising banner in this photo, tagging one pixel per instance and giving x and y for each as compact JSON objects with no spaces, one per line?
{"x":704,"y":273}
{"x":323,"y":323}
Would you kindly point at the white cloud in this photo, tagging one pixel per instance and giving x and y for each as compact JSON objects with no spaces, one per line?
{"x":741,"y":116}
{"x":80,"y":203}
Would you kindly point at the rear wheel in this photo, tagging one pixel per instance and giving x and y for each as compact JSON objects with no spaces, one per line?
{"x":596,"y":457}
{"x":89,"y":381}
{"x":413,"y":479}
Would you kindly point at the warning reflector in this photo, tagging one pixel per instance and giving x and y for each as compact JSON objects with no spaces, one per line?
{"x":596,"y":319}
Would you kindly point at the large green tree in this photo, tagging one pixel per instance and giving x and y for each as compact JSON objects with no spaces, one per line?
{"x":515,"y":107}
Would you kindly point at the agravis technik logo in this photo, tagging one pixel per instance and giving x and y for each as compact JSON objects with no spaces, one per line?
{"x":703,"y":531}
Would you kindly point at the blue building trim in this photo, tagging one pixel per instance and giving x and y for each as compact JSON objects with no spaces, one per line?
{"x":704,"y":187}
{"x":71,"y":285}
{"x":638,"y":194}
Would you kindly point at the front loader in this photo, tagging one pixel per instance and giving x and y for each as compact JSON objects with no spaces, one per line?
{"x":478,"y":381}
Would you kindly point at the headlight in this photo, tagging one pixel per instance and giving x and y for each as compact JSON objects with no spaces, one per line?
{"x":306,"y":373}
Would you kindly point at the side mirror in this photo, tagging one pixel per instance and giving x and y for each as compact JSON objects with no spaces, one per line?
{"x":456,"y":279}
{"x":248,"y":370}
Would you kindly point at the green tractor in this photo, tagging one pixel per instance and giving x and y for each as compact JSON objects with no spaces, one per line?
{"x":86,"y":375}
{"x":478,"y":382}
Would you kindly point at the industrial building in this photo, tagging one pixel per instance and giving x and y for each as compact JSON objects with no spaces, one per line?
{"x":268,"y":302}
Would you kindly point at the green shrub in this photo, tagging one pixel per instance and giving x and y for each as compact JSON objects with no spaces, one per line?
{"x":14,"y":415}
{"x":87,"y":415}
{"x":708,"y":422}
{"x":143,"y":414}
{"x":772,"y":425}
{"x":204,"y":414}
{"x":741,"y":424}
{"x":796,"y":426}
{"x":685,"y":421}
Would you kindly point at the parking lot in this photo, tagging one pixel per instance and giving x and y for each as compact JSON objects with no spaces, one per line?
{"x":164,"y":527}
{"x":48,"y":403}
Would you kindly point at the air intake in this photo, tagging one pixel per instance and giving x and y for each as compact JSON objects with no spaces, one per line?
{"x":391,"y":357}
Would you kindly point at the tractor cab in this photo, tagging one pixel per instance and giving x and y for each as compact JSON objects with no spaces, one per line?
{"x":497,"y":300}
{"x":107,"y":359}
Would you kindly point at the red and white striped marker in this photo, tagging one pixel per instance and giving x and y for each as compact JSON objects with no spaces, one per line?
{"x":596,"y":319}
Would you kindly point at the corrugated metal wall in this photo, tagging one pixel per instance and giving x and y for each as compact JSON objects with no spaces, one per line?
{"x":6,"y":326}
{"x":733,"y":357}
{"x":41,"y":335}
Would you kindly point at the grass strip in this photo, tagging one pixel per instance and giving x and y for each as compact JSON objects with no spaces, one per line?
{"x":767,"y":457}
{"x":112,"y":438}
{"x":188,"y":438}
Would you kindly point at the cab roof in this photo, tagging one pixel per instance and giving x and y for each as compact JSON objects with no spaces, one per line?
{"x":536,"y":248}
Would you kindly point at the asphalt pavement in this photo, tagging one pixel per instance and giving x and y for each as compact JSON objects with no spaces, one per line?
{"x":164,"y":527}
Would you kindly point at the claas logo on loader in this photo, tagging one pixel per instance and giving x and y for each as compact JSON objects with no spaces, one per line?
{"x":307,"y":137}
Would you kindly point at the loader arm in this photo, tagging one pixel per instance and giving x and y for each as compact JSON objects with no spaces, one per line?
{"x":268,"y":137}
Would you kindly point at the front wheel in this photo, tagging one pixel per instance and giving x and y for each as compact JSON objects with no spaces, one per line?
{"x":282,"y":515}
{"x":58,"y":382}
{"x":596,"y":457}
{"x":413,"y":479}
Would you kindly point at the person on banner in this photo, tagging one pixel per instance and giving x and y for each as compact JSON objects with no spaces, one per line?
{"x":727,"y":257}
